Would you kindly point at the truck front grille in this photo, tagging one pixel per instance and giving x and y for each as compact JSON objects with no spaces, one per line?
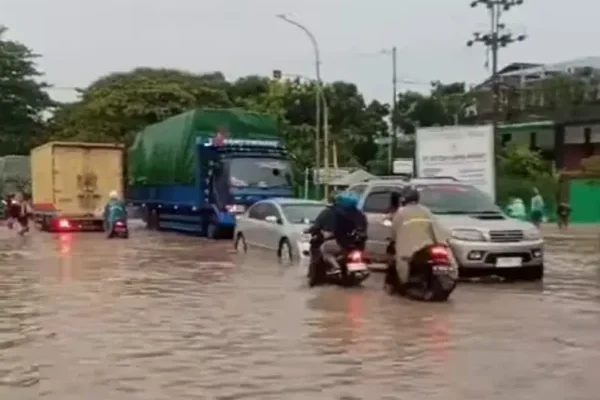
{"x":506,"y":236}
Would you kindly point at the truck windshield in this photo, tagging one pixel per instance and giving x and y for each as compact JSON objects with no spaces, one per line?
{"x":456,"y":199}
{"x":258,"y":172}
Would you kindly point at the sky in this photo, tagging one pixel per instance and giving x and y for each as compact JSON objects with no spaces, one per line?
{"x":81,"y":40}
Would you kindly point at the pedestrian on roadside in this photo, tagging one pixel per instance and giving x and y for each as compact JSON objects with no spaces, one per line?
{"x":563,"y":212}
{"x":537,"y":208}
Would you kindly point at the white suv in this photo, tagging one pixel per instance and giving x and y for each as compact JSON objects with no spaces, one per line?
{"x":484,"y":240}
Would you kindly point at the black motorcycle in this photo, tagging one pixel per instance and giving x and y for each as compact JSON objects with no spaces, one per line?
{"x":349,"y":268}
{"x":119,"y":229}
{"x":432,"y":276}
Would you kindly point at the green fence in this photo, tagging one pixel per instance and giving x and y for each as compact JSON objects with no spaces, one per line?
{"x":584,"y":199}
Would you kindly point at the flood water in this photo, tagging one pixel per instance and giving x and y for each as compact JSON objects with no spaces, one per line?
{"x":164,"y":316}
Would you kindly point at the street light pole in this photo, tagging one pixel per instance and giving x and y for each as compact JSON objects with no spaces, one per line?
{"x":496,"y":38}
{"x":319,"y":97}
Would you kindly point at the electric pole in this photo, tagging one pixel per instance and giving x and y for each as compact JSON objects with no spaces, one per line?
{"x":393,"y":52}
{"x":497,"y":37}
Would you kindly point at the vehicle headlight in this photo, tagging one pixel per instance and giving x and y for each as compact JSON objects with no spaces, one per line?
{"x":532,"y":234}
{"x":470,"y":235}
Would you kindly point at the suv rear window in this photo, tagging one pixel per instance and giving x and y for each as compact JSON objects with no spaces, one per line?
{"x":456,"y":199}
{"x":379,"y":199}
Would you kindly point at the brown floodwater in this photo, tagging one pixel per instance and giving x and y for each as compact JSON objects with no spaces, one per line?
{"x":165,"y":316}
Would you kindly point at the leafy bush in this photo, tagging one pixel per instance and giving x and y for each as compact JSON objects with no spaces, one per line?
{"x":519,"y":171}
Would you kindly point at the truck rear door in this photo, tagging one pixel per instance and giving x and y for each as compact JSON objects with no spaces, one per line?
{"x":68,"y":163}
{"x":75,"y":181}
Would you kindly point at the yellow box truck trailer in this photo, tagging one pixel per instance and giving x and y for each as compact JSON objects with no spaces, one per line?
{"x":71,"y":181}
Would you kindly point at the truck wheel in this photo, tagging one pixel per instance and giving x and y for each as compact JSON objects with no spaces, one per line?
{"x":152,"y":219}
{"x":212,"y":231}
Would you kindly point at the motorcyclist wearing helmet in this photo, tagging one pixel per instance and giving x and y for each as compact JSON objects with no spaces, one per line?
{"x":335,"y":227}
{"x":114,"y":210}
{"x":413,"y":227}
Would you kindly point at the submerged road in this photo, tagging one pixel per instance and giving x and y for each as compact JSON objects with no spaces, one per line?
{"x":164,"y":316}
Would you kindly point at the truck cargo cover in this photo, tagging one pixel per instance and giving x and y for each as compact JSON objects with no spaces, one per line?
{"x":163,"y":153}
{"x":15,"y":174}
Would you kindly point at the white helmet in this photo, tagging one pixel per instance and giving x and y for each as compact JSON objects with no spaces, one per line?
{"x":114,"y":195}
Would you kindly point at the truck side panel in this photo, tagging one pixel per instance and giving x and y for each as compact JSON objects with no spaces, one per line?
{"x":42,"y":188}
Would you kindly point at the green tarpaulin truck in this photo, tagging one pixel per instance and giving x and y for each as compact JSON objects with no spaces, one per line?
{"x":193,"y":172}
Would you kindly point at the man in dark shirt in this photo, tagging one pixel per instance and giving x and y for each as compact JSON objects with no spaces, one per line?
{"x":335,"y":229}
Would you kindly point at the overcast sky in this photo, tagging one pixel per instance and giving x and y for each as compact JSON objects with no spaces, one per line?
{"x":83,"y":39}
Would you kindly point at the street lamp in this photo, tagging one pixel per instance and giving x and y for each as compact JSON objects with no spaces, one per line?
{"x":320,"y":96}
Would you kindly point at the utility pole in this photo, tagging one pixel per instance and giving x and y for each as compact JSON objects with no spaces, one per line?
{"x":497,"y":37}
{"x":394,"y":104}
{"x":394,"y":129}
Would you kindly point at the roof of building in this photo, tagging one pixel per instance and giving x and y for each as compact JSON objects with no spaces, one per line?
{"x":563,"y":66}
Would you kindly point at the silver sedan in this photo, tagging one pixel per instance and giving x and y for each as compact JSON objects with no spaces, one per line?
{"x":277,"y":225}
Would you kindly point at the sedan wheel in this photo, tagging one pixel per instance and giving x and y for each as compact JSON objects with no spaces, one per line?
{"x":240,"y":244}
{"x":284,"y":254}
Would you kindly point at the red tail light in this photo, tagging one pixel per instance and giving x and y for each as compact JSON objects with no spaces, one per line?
{"x":439,"y":253}
{"x":64,"y":224}
{"x":119,"y":223}
{"x":355,"y":256}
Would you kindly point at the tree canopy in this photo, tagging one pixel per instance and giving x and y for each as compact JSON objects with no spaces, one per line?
{"x":22,"y":97}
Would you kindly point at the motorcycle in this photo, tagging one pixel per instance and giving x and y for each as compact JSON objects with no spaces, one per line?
{"x":432,"y":275}
{"x":349,"y":268}
{"x":118,"y":229}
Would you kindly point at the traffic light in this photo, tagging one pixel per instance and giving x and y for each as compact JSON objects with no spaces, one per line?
{"x":277,"y":74}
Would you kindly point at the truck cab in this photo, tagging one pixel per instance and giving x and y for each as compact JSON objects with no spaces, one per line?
{"x":236,"y":173}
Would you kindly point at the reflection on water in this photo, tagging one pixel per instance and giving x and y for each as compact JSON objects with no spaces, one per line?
{"x":161,"y":316}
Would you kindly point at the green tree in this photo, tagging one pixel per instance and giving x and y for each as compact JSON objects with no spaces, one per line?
{"x":114,"y":107}
{"x":22,"y":97}
{"x":519,"y":170}
{"x":445,"y":104}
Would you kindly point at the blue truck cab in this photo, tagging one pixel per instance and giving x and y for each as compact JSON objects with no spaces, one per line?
{"x":229,"y":174}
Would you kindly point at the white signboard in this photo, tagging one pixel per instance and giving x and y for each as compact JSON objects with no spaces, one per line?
{"x":403,"y":166}
{"x":463,"y":152}
{"x":332,"y":174}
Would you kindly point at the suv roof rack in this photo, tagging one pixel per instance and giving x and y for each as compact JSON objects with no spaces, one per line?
{"x":449,"y":178}
{"x":389,"y":177}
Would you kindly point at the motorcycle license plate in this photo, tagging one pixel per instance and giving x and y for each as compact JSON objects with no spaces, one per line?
{"x":355,"y":267}
{"x":120,"y":229}
{"x":441,"y":269}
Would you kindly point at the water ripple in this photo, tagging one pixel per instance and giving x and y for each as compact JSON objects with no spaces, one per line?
{"x":163,"y":316}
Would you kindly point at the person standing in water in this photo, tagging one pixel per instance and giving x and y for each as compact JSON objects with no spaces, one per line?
{"x":563,"y":212}
{"x":537,"y":208}
{"x":20,"y":212}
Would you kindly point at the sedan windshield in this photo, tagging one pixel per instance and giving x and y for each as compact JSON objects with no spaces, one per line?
{"x":456,"y":199}
{"x":302,"y":213}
